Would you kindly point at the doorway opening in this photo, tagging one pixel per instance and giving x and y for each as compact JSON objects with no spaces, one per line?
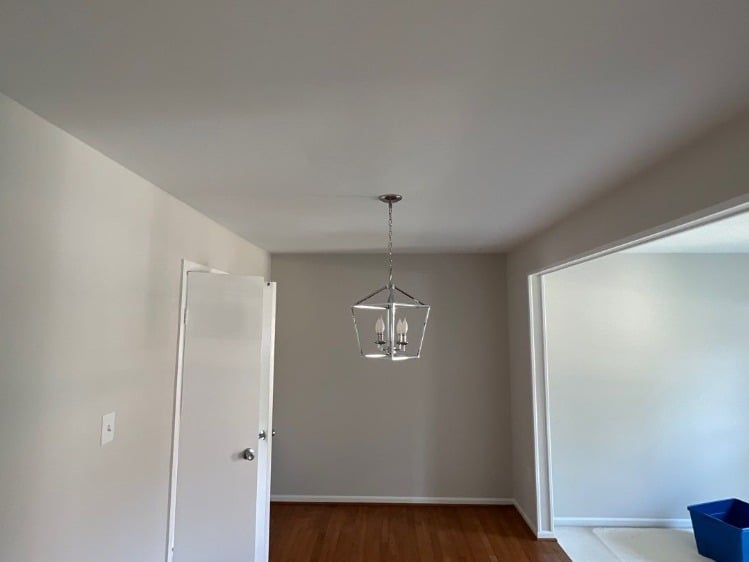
{"x":632,"y":317}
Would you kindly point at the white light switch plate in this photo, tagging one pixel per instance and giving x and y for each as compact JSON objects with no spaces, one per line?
{"x":107,"y":428}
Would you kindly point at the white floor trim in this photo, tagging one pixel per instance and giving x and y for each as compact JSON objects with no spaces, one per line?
{"x":392,"y":499}
{"x":543,"y":535}
{"x":622,"y":522}
{"x":525,"y":517}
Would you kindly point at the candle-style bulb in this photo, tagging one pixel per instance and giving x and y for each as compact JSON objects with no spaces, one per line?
{"x":402,"y":327}
{"x":380,"y":326}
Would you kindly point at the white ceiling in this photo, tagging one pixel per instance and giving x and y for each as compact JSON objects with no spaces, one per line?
{"x":282,"y":119}
{"x":726,"y":236}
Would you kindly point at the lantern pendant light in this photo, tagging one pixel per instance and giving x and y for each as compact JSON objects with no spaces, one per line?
{"x":390,"y":323}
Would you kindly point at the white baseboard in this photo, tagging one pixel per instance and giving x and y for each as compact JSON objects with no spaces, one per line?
{"x":622,"y":522}
{"x":392,"y":499}
{"x":544,"y":535}
{"x":558,"y":521}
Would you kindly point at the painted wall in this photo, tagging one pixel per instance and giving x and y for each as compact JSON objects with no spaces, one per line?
{"x":434,"y":427}
{"x":713,"y":171}
{"x":89,"y":300}
{"x":648,"y":369}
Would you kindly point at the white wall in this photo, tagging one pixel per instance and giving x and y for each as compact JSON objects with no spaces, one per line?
{"x":89,"y":290}
{"x":711,"y":171}
{"x":648,"y":366}
{"x":438,"y":426}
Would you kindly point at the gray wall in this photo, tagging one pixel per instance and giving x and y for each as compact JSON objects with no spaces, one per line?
{"x":709,"y":172}
{"x":89,"y":301}
{"x":648,"y":366}
{"x":434,"y":427}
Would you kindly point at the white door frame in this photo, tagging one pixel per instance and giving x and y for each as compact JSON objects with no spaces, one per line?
{"x":539,"y":365}
{"x":187,"y":267}
{"x":262,"y":543}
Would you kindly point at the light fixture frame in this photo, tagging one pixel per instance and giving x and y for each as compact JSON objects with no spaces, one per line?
{"x":390,"y":299}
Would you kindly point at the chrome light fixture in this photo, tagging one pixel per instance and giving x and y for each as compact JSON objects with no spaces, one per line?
{"x":386,"y":319}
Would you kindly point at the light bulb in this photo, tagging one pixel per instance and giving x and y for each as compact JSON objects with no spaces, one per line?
{"x":402,"y":327}
{"x":380,"y":326}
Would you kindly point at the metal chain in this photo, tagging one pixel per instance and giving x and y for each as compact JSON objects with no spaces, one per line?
{"x":390,"y":243}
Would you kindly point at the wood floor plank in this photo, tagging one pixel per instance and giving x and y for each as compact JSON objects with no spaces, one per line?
{"x":478,"y":542}
{"x":404,"y":533}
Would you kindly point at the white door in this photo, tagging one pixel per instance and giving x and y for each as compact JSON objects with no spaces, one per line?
{"x":222,"y":464}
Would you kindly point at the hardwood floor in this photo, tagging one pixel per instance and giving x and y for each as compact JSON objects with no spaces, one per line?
{"x":406,"y":533}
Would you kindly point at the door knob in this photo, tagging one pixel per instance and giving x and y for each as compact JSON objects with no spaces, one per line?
{"x":273,"y":433}
{"x":262,"y":435}
{"x":248,"y":455}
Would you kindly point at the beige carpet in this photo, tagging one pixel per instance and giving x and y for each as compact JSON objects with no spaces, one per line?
{"x":650,"y":545}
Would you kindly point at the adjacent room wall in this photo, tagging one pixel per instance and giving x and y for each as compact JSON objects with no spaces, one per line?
{"x":89,"y":301}
{"x":648,"y":369}
{"x":712,"y":171}
{"x":437,"y":427}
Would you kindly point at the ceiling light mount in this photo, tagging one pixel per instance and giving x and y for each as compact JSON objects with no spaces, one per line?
{"x":390,"y":198}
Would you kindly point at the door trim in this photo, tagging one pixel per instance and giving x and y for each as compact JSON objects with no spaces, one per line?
{"x":187,"y":267}
{"x":262,"y":519}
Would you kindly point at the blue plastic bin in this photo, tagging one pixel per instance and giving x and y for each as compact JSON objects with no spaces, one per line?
{"x":721,"y":529}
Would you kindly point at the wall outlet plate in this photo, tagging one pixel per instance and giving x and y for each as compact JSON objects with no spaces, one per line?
{"x":107,"y":428}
